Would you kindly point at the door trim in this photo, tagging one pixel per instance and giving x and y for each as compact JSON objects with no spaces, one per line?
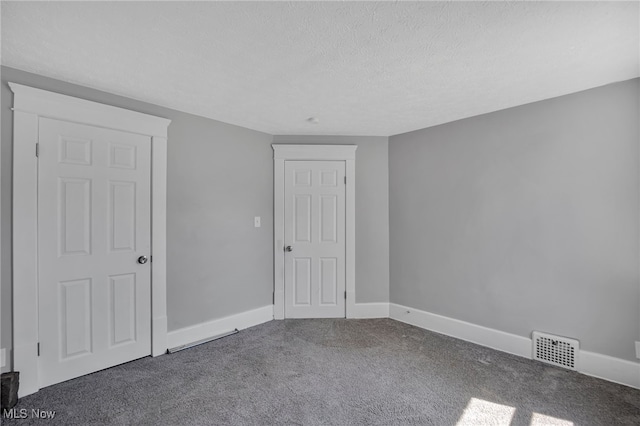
{"x":282,"y":153}
{"x":29,"y":104}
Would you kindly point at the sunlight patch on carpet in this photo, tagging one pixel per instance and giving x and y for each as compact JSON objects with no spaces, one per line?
{"x":481,"y":412}
{"x":538,"y":419}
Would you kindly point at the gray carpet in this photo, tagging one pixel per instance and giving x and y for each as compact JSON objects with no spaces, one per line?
{"x":335,"y":372}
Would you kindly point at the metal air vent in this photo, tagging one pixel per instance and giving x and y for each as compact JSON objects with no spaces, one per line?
{"x":556,"y":350}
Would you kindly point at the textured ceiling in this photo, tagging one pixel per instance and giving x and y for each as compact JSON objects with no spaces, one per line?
{"x":366,"y":68}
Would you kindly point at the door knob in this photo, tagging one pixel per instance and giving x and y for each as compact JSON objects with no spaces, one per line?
{"x":142,"y":260}
{"x":288,"y":248}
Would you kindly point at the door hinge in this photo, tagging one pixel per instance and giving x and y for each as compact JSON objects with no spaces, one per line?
{"x":345,"y":295}
{"x":345,"y":180}
{"x":273,"y":298}
{"x":37,"y":149}
{"x":38,"y":348}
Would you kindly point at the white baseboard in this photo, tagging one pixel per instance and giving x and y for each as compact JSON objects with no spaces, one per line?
{"x":601,"y":366}
{"x":213,"y":328}
{"x":609,"y":368}
{"x":495,"y":339}
{"x":370,"y":310}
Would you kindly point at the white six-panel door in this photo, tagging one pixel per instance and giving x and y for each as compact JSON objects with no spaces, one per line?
{"x":93,"y":225}
{"x":314,"y":239}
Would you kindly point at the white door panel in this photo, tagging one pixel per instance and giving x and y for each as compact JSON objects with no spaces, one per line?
{"x":93,"y":224}
{"x":315,"y":230}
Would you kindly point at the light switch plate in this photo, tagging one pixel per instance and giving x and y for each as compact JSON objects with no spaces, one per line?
{"x":256,"y":221}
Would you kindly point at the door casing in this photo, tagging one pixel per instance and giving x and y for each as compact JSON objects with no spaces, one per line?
{"x":29,"y":104}
{"x":290,"y":152}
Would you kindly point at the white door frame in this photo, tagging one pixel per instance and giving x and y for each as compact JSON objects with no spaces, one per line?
{"x":29,"y":104}
{"x":282,"y":153}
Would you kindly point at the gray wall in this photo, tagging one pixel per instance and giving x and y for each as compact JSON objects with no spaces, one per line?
{"x":525,"y":219}
{"x":219,"y":177}
{"x":372,"y":211}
